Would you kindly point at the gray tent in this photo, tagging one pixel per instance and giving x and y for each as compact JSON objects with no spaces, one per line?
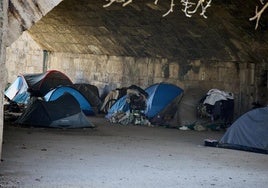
{"x":249,"y":132}
{"x":63,"y":112}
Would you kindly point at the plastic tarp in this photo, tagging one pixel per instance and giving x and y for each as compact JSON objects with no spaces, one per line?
{"x":119,"y":106}
{"x":83,"y":102}
{"x":64,"y":112}
{"x":215,"y":95}
{"x":17,"y":91}
{"x":249,"y":132}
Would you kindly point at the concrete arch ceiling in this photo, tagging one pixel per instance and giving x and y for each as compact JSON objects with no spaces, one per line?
{"x":139,"y":30}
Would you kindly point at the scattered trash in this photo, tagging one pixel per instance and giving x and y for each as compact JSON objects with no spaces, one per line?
{"x":202,"y":126}
{"x":184,"y":128}
{"x":211,"y":142}
{"x":199,"y":127}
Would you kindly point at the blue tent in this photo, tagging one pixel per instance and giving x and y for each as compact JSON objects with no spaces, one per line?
{"x":160,"y":96}
{"x":83,"y":102}
{"x":249,"y":132}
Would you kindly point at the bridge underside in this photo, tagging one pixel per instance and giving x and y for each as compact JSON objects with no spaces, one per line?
{"x":139,"y":30}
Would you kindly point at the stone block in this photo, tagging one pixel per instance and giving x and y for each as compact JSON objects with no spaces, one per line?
{"x":173,"y":70}
{"x":115,"y":65}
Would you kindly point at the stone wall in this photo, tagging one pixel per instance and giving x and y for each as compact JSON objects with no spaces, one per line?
{"x":196,"y":77}
{"x":24,"y":56}
{"x":110,"y":72}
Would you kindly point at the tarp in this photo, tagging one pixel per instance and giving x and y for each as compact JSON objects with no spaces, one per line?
{"x":64,"y":112}
{"x":17,"y":91}
{"x":38,"y":84}
{"x":217,"y":105}
{"x":83,"y":102}
{"x":160,"y":96}
{"x":215,"y":95}
{"x":119,"y":106}
{"x":112,"y":97}
{"x":249,"y":132}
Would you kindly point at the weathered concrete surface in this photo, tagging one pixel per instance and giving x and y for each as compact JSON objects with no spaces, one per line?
{"x":139,"y":30}
{"x":23,"y":14}
{"x":3,"y":72}
{"x":125,"y":156}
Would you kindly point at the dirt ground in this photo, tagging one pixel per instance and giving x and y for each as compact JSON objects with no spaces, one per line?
{"x":113,"y":156}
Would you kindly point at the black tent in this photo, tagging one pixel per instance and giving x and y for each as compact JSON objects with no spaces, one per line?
{"x":40,"y":84}
{"x":64,"y":112}
{"x":91,"y":93}
{"x":87,"y":88}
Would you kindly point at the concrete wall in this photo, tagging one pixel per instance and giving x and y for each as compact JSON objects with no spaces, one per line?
{"x":3,"y":34}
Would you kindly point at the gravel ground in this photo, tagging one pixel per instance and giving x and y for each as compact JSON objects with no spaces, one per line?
{"x":113,"y":156}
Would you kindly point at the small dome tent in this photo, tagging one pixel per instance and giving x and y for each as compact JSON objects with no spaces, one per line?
{"x":81,"y":99}
{"x":160,"y":96}
{"x":249,"y":132}
{"x":64,"y":112}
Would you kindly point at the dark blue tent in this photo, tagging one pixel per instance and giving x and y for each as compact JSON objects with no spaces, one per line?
{"x":83,"y":102}
{"x":249,"y":132}
{"x":160,"y":96}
